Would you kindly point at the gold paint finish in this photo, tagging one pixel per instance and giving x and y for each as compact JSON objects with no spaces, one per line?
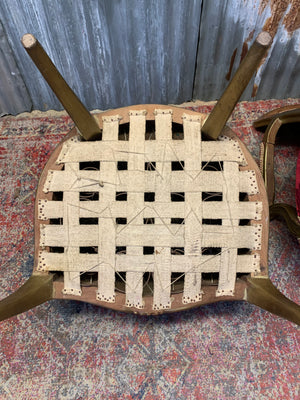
{"x":84,"y":121}
{"x":217,"y":119}
{"x":262,"y":293}
{"x":36,"y":290}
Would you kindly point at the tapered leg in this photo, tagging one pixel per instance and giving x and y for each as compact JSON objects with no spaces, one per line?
{"x":264,"y":294}
{"x":84,"y":121}
{"x":37,"y":290}
{"x":218,"y":117}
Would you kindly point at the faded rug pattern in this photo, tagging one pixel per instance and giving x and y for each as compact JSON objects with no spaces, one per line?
{"x":73,"y":350}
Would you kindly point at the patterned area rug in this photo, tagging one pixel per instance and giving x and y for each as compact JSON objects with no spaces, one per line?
{"x":72,"y":350}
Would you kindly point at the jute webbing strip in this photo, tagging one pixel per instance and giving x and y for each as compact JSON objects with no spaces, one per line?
{"x":180,"y":263}
{"x":216,"y":209}
{"x":205,"y":181}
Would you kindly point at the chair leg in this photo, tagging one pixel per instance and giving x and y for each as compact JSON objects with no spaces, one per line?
{"x":218,"y":117}
{"x":36,"y":290}
{"x":84,"y":121}
{"x":264,"y":294}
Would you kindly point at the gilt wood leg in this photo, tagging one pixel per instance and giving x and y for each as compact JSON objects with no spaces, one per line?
{"x":36,"y":290}
{"x":265,"y":295}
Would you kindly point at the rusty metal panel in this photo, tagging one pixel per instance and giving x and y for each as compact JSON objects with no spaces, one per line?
{"x":112,"y":53}
{"x":121,"y":52}
{"x":228,"y":28}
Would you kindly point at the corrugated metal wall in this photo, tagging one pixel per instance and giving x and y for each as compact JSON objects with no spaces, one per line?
{"x":120,"y":52}
{"x":228,"y":29}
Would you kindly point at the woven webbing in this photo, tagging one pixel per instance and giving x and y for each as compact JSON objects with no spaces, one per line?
{"x":163,"y":202}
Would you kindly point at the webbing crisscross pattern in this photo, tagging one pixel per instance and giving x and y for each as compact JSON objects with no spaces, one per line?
{"x":160,"y":202}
